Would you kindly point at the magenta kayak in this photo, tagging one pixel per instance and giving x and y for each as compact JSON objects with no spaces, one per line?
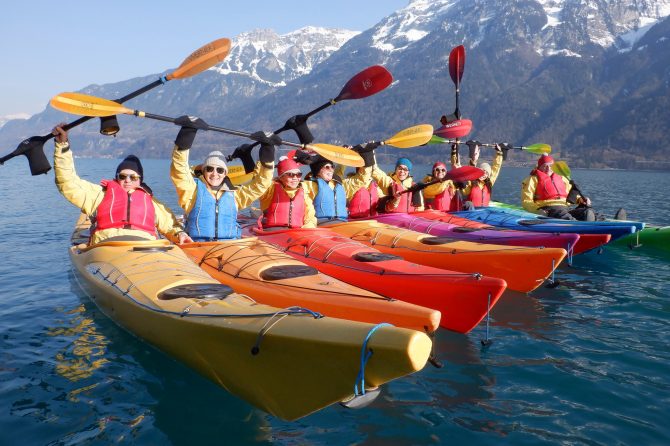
{"x":497,"y":237}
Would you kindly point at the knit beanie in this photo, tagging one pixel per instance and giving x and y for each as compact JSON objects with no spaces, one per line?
{"x":216,"y":159}
{"x":403,"y":162}
{"x":133,"y":163}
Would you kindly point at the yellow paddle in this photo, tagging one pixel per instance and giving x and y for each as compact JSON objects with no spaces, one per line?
{"x":198,"y":61}
{"x":410,"y":137}
{"x":86,"y":105}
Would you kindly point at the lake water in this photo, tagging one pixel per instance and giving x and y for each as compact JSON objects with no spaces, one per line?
{"x":586,"y":363}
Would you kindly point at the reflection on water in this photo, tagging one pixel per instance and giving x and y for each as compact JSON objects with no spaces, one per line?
{"x":86,"y":352}
{"x":585,"y":363}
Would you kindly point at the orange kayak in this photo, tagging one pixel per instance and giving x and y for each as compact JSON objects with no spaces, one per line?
{"x":463,"y":299}
{"x":253,"y":267}
{"x":523,"y":268}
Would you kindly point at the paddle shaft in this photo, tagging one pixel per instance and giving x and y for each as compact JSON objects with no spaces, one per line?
{"x":213,"y":128}
{"x":83,"y":119}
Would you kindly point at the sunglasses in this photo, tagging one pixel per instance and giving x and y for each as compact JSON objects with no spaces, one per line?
{"x":132,"y":176}
{"x":328,"y":167}
{"x":439,"y":170}
{"x":402,"y":168}
{"x":219,"y":170}
{"x":293,"y":174}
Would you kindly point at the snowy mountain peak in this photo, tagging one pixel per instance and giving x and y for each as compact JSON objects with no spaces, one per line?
{"x":551,"y":27}
{"x":4,"y":119}
{"x":275,"y":60}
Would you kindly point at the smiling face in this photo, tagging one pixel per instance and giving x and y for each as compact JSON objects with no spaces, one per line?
{"x":128,"y":179}
{"x":290,"y":179}
{"x":214,"y":175}
{"x":546,"y":168}
{"x":439,"y":173}
{"x":326,"y":172}
{"x":402,"y":172}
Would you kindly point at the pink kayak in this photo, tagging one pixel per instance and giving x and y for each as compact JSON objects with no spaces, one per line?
{"x":490,"y":236}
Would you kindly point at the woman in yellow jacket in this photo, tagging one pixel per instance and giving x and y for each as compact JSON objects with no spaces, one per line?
{"x":285,"y":204}
{"x":478,"y":192}
{"x":211,"y":202}
{"x":393,"y":186}
{"x":124,"y":206}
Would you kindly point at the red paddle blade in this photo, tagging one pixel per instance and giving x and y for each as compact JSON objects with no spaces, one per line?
{"x":457,"y":63}
{"x":366,"y":83}
{"x":455,"y":129}
{"x":465,"y":173}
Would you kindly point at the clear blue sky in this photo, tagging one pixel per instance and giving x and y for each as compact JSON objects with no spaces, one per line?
{"x":48,"y":47}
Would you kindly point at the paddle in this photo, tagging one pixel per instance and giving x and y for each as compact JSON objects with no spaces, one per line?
{"x":197,"y":62}
{"x":456,"y":67}
{"x":561,"y":168}
{"x":370,"y":81}
{"x":82,"y":104}
{"x":417,"y":135}
{"x":457,"y":175}
{"x":538,"y":148}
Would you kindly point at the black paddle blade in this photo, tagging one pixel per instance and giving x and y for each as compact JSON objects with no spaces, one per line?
{"x":457,"y":63}
{"x":33,"y":149}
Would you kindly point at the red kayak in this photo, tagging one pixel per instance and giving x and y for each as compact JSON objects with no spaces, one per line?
{"x":462,"y":298}
{"x":586,"y":242}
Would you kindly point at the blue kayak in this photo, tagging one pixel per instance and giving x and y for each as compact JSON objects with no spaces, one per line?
{"x":506,"y":217}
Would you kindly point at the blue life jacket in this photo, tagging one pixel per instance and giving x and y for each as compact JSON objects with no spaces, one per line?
{"x":212,"y":219}
{"x":330,"y":204}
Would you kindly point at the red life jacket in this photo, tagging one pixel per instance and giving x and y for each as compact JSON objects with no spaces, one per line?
{"x":444,"y":201}
{"x":285,"y":211}
{"x":480,"y":196}
{"x":119,"y":209}
{"x":405,"y":204}
{"x":549,"y":187}
{"x":364,"y":202}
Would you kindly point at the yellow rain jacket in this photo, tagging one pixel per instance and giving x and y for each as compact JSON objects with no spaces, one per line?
{"x":180,"y":173}
{"x":385,"y":181}
{"x":350,"y":184}
{"x":87,"y":197}
{"x":310,"y":213}
{"x":528,"y":187}
{"x":495,"y":171}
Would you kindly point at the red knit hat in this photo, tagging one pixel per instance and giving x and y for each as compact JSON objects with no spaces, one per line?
{"x":545,"y":159}
{"x":286,"y":164}
{"x":440,"y":164}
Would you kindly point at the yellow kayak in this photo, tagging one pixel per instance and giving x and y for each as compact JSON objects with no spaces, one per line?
{"x":288,"y":362}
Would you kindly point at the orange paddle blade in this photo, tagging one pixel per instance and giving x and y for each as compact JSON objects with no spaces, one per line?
{"x":201,"y":59}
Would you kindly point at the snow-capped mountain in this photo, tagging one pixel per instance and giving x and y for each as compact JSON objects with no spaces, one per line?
{"x":589,"y":77}
{"x":4,"y":119}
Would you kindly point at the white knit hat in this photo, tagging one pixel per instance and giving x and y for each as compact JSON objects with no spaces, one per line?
{"x":216,"y":159}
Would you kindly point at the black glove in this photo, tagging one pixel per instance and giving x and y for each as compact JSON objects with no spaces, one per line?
{"x":189,"y":127}
{"x":243,"y":153}
{"x":298,"y":124}
{"x":366,"y":147}
{"x":266,"y":154}
{"x":505,"y":148}
{"x":367,"y":152}
{"x":266,"y":138}
{"x":304,"y":158}
{"x":454,"y":149}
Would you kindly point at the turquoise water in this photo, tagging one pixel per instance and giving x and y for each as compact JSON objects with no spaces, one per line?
{"x":586,"y":363}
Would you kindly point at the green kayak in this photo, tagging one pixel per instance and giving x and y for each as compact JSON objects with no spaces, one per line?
{"x":654,"y":238}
